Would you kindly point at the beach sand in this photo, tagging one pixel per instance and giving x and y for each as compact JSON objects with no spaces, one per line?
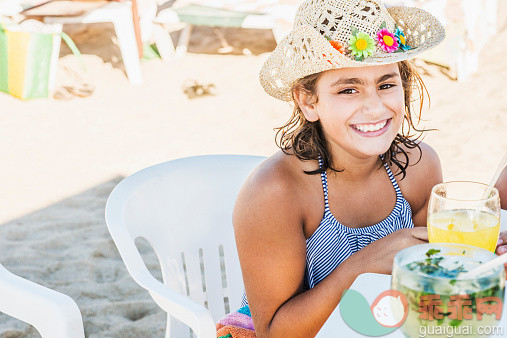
{"x":61,"y":159}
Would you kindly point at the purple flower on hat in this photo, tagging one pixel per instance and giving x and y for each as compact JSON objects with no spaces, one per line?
{"x":387,"y":41}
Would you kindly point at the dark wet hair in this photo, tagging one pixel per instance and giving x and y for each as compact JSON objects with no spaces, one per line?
{"x":306,"y":139}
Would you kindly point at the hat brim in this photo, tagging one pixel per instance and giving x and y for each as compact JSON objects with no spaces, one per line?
{"x":281,"y":70}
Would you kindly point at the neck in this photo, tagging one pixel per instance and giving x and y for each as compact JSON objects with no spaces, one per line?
{"x":354,"y":168}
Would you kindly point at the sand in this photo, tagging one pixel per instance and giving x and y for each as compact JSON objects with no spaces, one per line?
{"x":61,"y":159}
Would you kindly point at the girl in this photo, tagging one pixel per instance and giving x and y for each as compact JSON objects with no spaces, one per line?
{"x":345,"y":191}
{"x":501,"y":185}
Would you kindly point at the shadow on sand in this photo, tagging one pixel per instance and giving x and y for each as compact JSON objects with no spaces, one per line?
{"x":67,"y":247}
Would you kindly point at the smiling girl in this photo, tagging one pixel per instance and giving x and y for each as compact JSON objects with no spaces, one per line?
{"x":349,"y":185}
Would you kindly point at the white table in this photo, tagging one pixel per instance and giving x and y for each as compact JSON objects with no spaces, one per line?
{"x":370,"y":285}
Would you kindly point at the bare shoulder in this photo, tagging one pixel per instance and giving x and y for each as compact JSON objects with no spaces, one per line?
{"x":270,"y":189}
{"x":423,"y":172}
{"x":501,"y":185}
{"x":422,"y":162}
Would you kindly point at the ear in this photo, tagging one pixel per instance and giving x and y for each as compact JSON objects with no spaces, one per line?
{"x":307,"y":104}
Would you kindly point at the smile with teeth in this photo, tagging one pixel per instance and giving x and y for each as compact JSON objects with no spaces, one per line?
{"x":369,"y":127}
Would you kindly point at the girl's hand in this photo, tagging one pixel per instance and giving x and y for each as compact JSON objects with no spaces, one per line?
{"x":501,"y":247}
{"x":379,"y":255}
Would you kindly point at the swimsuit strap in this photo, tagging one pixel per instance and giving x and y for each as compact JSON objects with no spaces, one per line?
{"x":393,"y":180}
{"x":323,"y":177}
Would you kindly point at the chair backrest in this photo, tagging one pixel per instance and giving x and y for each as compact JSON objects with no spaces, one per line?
{"x":183,"y":209}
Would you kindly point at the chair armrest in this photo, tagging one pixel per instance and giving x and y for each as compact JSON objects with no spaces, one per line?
{"x":175,"y":304}
{"x":52,"y":313}
{"x":182,"y":308}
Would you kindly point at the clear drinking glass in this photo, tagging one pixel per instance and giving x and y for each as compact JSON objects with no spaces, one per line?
{"x":464,"y":212}
{"x":440,"y":303}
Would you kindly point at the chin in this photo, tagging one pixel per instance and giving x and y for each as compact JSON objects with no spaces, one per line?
{"x":378,"y":148}
{"x":373,"y":153}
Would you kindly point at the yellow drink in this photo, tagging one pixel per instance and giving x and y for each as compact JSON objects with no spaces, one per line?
{"x":465,"y":227}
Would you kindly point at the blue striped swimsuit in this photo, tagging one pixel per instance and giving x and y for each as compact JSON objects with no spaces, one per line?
{"x":333,"y":242}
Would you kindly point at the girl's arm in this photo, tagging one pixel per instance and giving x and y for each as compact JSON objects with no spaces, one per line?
{"x":501,"y":185}
{"x":268,"y":223}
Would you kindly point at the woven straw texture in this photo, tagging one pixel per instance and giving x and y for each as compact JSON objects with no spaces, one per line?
{"x":306,"y":51}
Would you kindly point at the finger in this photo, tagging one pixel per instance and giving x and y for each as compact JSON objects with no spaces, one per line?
{"x":501,"y":249}
{"x":502,"y":238}
{"x":420,"y":233}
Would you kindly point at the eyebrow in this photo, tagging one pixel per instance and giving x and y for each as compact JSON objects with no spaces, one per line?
{"x":355,"y":80}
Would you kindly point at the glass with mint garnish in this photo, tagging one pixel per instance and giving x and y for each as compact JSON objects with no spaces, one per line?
{"x":439,"y":301}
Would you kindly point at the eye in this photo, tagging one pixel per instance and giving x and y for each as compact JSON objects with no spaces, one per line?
{"x":387,"y":86}
{"x":348,"y":91}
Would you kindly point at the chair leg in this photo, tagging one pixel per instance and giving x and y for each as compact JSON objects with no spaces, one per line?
{"x":175,"y":328}
{"x":163,"y":41}
{"x":57,"y":40}
{"x":181,"y":50}
{"x":128,"y":45}
{"x":168,"y":327}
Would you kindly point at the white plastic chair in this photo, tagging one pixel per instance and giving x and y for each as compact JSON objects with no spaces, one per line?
{"x":120,"y":14}
{"x":183,"y":209}
{"x":53,"y":314}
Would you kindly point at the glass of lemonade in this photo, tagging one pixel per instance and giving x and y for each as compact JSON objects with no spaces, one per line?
{"x":440,"y":302}
{"x":464,"y":212}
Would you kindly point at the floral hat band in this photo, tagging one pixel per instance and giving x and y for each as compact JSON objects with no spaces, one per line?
{"x":336,"y":34}
{"x":362,"y":45}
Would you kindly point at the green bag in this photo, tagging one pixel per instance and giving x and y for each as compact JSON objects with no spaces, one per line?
{"x":28,"y":58}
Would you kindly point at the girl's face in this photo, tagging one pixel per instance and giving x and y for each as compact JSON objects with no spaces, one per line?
{"x":360,"y":109}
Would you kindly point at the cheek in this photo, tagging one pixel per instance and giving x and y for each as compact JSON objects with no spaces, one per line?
{"x":400,"y":111}
{"x":399,"y":118}
{"x":335,"y":111}
{"x":329,"y":114}
{"x":396,"y":103}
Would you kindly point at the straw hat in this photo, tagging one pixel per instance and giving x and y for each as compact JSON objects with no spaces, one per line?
{"x":332,"y":34}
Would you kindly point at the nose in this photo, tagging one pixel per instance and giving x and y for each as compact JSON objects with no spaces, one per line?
{"x":373,"y":104}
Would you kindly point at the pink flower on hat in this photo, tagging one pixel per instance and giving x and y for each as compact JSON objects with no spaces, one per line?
{"x":387,"y":41}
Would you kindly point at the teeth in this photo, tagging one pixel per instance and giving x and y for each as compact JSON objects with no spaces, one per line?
{"x":370,"y":127}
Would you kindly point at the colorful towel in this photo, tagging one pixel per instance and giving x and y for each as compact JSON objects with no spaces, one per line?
{"x":237,"y":324}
